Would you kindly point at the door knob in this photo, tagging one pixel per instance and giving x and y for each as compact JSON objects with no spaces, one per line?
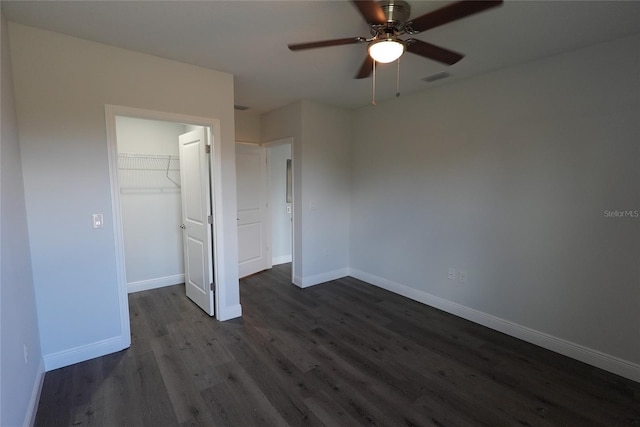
{"x":182,"y":226}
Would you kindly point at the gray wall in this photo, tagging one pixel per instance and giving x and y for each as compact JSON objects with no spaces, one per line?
{"x":247,"y":126}
{"x":321,"y":140}
{"x":18,"y":320}
{"x":283,"y":123}
{"x":507,"y":177}
{"x":62,"y":85}
{"x":326,"y":162}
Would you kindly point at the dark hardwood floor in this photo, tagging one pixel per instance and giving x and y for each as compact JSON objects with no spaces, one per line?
{"x":343,"y":353}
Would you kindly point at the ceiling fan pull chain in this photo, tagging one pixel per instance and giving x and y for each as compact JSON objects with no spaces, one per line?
{"x":373,"y":96}
{"x":398,"y":80}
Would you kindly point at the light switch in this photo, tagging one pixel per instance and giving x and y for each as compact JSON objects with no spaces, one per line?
{"x":98,"y":220}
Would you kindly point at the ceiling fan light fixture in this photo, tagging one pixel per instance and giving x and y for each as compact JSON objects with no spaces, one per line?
{"x":386,"y":50}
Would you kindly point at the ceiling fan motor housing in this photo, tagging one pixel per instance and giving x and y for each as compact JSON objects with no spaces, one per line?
{"x":396,"y":11}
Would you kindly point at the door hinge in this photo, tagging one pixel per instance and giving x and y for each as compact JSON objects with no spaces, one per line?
{"x":207,"y":149}
{"x":213,"y":287}
{"x":210,"y":219}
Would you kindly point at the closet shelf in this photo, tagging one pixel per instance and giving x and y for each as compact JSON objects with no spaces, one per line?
{"x":149,"y":162}
{"x":148,"y":172}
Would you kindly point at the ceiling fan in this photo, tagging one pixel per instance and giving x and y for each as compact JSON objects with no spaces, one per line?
{"x":389,"y":19}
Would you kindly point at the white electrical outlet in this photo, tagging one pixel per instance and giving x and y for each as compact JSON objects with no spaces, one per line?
{"x":26,"y":354}
{"x":452,"y":274}
{"x":462,"y":276}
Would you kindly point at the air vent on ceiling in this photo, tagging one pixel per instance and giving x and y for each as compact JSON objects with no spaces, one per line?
{"x":436,"y":76}
{"x":240,"y":107}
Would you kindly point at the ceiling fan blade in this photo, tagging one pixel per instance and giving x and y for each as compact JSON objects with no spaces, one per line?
{"x":366,"y":68}
{"x":451,"y":13}
{"x":325,"y":43}
{"x":434,"y":52}
{"x":370,"y":11}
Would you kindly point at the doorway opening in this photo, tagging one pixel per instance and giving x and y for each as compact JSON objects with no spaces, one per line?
{"x":265,"y":215}
{"x":150,"y":200}
{"x":280,"y":165}
{"x":148,"y":187}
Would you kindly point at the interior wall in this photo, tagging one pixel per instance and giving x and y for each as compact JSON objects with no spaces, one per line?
{"x":286,"y":122}
{"x":509,"y":177}
{"x":247,"y":126}
{"x":321,"y":136}
{"x":62,"y":85}
{"x":326,"y":158}
{"x":151,"y":203}
{"x":21,"y":363}
{"x":280,"y":218}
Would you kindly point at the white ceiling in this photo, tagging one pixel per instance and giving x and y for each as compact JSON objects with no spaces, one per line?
{"x":249,"y":39}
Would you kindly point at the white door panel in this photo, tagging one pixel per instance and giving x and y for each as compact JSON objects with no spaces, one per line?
{"x":248,"y":235}
{"x":251,"y":182}
{"x":196,"y":208}
{"x":195,"y":257}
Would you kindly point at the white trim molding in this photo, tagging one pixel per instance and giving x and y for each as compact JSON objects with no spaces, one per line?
{"x":306,"y":281}
{"x":228,"y":313}
{"x":159,"y":282}
{"x":297,"y":280}
{"x":283,"y":259}
{"x":85,"y":352}
{"x":32,"y":408}
{"x":584,"y":354}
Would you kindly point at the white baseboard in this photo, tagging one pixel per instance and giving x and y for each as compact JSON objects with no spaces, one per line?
{"x":84,"y":352}
{"x":297,"y":280}
{"x":229,"y":313}
{"x":305,"y":282}
{"x":32,"y":409}
{"x":145,"y":285}
{"x":584,"y":354}
{"x":281,"y":259}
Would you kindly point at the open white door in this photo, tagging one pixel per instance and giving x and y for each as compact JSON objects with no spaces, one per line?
{"x":196,"y":217}
{"x":253,"y":230}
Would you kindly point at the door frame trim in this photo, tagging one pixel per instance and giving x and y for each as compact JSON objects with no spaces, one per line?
{"x":111,"y":111}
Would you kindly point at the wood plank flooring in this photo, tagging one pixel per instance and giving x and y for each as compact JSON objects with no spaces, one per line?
{"x":343,"y":353}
